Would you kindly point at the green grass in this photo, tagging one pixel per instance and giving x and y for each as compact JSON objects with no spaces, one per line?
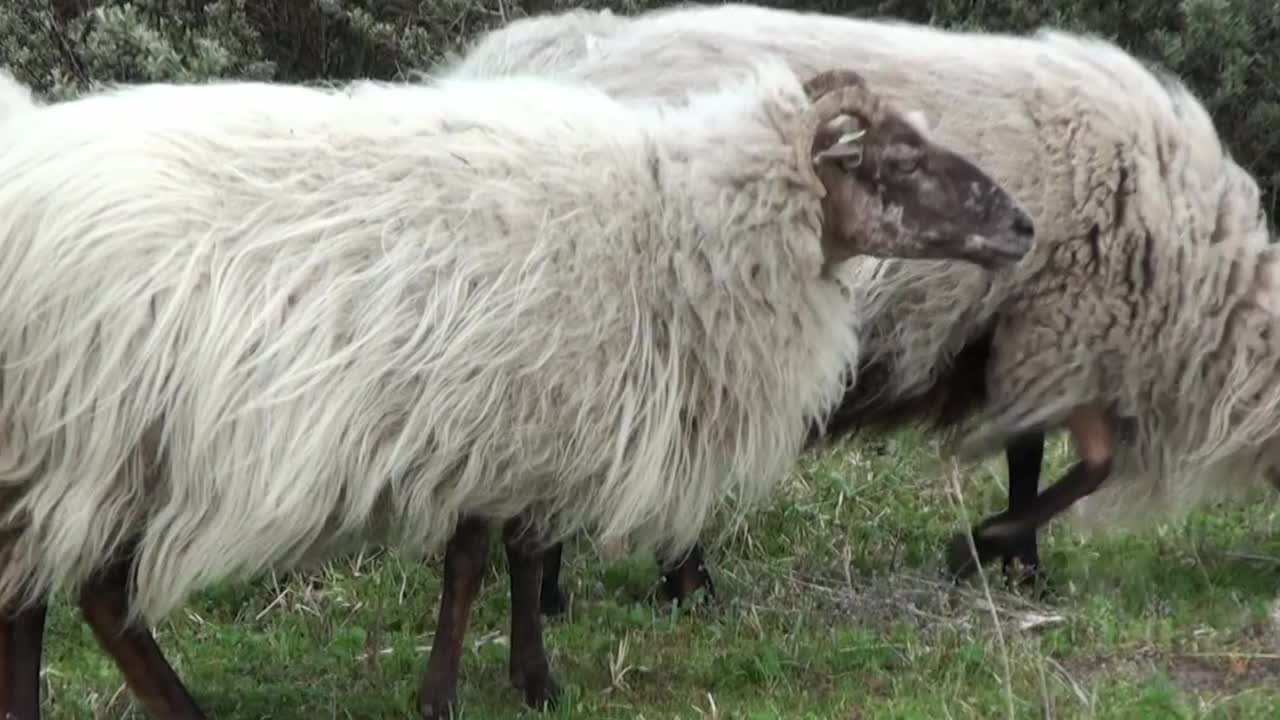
{"x":830,"y":606}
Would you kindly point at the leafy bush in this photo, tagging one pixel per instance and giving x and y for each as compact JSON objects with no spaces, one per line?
{"x":1228,"y":51}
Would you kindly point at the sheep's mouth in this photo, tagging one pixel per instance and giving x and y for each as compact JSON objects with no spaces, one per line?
{"x":998,"y":251}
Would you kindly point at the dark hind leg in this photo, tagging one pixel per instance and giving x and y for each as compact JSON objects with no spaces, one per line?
{"x":104,"y":602}
{"x":464,"y":564}
{"x":1025,"y":456}
{"x":530,"y":671}
{"x":550,"y":598}
{"x":21,"y":641}
{"x":682,"y":578}
{"x":1004,"y":534}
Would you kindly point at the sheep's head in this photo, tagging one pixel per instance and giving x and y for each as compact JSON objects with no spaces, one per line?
{"x":890,"y":192}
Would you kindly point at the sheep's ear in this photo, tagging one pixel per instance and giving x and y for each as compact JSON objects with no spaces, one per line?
{"x":847,"y":149}
{"x":918,"y":120}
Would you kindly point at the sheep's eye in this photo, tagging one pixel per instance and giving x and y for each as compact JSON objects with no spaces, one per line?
{"x":904,"y":161}
{"x":850,"y":162}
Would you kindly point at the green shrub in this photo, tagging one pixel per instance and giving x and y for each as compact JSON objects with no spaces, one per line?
{"x":1228,"y":51}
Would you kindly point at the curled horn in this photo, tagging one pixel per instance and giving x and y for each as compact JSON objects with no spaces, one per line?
{"x":829,"y":80}
{"x":835,"y":93}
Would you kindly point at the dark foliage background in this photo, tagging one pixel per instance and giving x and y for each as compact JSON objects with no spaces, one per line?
{"x":1227,"y":50}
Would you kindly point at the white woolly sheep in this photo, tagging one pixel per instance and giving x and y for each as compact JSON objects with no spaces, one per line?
{"x":15,"y":98}
{"x":1089,"y":139}
{"x":250,"y":326}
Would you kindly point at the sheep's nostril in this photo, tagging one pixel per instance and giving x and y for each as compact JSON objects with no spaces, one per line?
{"x":1023,"y":225}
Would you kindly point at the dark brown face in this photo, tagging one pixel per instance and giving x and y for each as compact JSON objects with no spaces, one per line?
{"x":893,"y":193}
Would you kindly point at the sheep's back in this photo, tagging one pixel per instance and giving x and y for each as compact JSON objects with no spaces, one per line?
{"x":300,"y":298}
{"x":911,"y":330}
{"x":316,"y":314}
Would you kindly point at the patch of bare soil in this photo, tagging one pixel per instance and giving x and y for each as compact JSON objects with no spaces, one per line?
{"x":1203,"y":674}
{"x":920,"y":599}
{"x":1233,"y":673}
{"x":929,"y":602}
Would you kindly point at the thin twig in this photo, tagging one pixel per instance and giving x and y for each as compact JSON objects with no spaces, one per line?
{"x":986,"y":589}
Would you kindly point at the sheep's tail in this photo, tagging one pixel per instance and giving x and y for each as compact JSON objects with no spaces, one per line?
{"x":16,"y":97}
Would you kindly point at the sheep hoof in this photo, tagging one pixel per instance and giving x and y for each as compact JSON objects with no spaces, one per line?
{"x":1020,"y":571}
{"x":552,"y":603}
{"x":960,"y":560}
{"x":1028,"y":577}
{"x":701,"y":594}
{"x":540,"y":691}
{"x":701,"y":598}
{"x":436,"y":708}
{"x":705,"y":598}
{"x":543,"y":695}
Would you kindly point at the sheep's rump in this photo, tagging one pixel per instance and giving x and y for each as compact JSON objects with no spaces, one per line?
{"x":1090,"y":140}
{"x":248,"y":325}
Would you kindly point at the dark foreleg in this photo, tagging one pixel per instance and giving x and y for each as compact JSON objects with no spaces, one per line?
{"x":104,"y":602}
{"x":21,"y":640}
{"x":1003,"y":534}
{"x":530,"y":671}
{"x":464,"y":565}
{"x":1025,"y":456}
{"x":1272,"y":475}
{"x":551,"y":599}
